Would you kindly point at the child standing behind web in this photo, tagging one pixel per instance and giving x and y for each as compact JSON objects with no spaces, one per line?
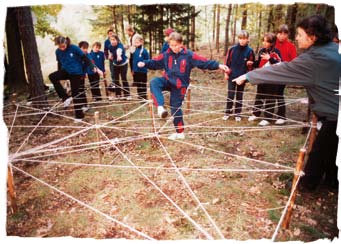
{"x":119,"y":59}
{"x":94,"y":77}
{"x":240,"y":60}
{"x":94,"y":81}
{"x":266,"y":93}
{"x":140,"y":74}
{"x":177,"y":63}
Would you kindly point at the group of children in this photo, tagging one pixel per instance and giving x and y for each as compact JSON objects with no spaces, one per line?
{"x":75,"y":62}
{"x":177,"y":62}
{"x":241,"y":59}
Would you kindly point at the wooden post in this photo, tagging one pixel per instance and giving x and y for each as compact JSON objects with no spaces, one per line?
{"x":11,"y":189}
{"x":105,"y":86}
{"x":312,"y":133}
{"x":298,"y":169}
{"x":188,"y":99}
{"x":97,"y":135}
{"x":151,"y":110}
{"x":15,"y":97}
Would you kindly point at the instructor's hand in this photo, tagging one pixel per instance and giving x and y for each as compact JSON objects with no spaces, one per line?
{"x":240,"y":80}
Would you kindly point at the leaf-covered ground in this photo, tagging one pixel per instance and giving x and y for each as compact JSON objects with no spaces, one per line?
{"x":160,"y":187}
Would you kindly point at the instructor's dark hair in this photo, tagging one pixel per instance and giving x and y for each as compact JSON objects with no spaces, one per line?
{"x":62,"y":40}
{"x":317,"y":26}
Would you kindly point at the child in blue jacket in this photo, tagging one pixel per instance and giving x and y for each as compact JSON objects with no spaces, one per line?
{"x":140,"y":74}
{"x":240,"y":60}
{"x":94,"y":77}
{"x":120,"y":61}
{"x":70,"y":60}
{"x":177,"y":63}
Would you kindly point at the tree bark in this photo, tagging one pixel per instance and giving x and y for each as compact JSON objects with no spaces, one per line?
{"x":291,"y":20}
{"x":228,"y":17}
{"x":244,"y":18}
{"x":192,"y":43}
{"x":15,"y":72}
{"x":214,"y":19}
{"x":218,"y":28}
{"x":32,"y":60}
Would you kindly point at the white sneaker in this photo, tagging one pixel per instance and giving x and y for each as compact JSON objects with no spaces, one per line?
{"x":280,"y":122}
{"x":67,"y":102}
{"x":77,"y":120}
{"x":176,"y":136}
{"x":128,"y":98}
{"x":162,"y":112}
{"x":85,"y":109}
{"x":264,"y":123}
{"x":252,"y":118}
{"x":226,"y":117}
{"x":238,"y":119}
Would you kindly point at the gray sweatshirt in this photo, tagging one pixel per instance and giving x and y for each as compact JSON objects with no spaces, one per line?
{"x":318,"y":69}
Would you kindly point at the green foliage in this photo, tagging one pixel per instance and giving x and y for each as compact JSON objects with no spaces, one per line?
{"x":45,"y":14}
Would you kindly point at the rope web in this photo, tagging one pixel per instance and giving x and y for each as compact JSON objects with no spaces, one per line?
{"x":183,"y":178}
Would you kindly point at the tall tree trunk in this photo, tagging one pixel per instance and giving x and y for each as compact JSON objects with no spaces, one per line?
{"x":291,"y":20}
{"x":214,"y":19}
{"x":129,"y":14}
{"x":114,"y":19}
{"x":32,"y":60}
{"x":15,"y":71}
{"x":278,"y":17}
{"x":270,"y":18}
{"x":218,"y":28}
{"x":235,"y":22}
{"x":192,"y":42}
{"x":228,"y":17}
{"x":244,"y":18}
{"x":259,"y":29}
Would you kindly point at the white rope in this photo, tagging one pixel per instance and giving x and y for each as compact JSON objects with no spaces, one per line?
{"x":84,"y":204}
{"x":156,"y":167}
{"x":158,"y":188}
{"x":230,"y":154}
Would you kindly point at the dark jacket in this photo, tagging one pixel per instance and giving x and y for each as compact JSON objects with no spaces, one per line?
{"x":236,"y":59}
{"x":178,"y":66}
{"x":317,"y":69}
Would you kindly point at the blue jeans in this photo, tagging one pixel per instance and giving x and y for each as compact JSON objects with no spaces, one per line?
{"x":177,"y":95}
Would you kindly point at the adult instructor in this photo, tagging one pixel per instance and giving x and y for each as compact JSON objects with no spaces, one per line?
{"x":318,"y":70}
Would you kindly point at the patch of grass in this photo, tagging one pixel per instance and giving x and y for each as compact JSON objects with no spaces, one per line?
{"x":313,"y":232}
{"x":274,"y":215}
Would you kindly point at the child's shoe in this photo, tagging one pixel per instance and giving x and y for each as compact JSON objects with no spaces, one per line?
{"x":264,"y":123}
{"x":67,"y":102}
{"x":226,"y":117}
{"x":85,"y":109}
{"x":280,"y":122}
{"x":176,"y":136}
{"x":162,"y":112}
{"x":237,"y":119}
{"x":252,"y":118}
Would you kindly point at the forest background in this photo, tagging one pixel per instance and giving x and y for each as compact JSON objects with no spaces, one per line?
{"x":214,"y":26}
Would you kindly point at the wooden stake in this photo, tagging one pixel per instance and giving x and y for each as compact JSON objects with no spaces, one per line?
{"x":298,"y":169}
{"x":151,"y":110}
{"x":312,"y":133}
{"x":188,"y":100}
{"x":11,"y":189}
{"x":105,"y":86}
{"x":15,"y":97}
{"x":97,"y":135}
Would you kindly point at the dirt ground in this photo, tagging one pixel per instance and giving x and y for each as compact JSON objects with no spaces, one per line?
{"x":244,"y":202}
